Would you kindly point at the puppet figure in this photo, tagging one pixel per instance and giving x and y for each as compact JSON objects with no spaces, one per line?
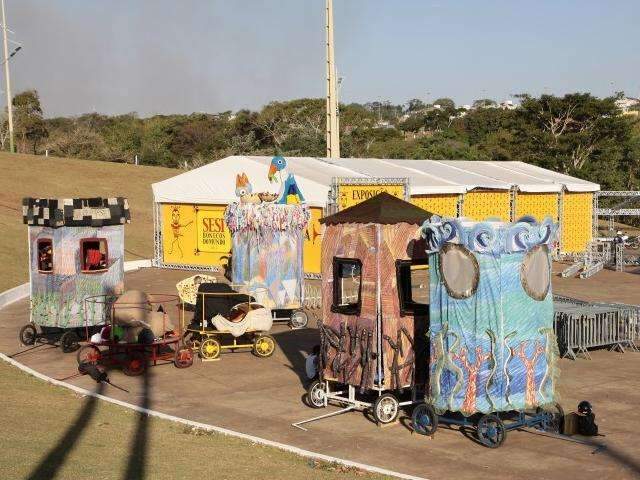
{"x":244,"y":190}
{"x":278,"y":164}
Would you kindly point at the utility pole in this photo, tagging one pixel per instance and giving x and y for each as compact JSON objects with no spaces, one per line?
{"x":333,"y":126}
{"x":7,"y":78}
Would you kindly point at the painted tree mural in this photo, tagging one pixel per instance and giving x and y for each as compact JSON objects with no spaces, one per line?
{"x":529,"y":365}
{"x":472,"y":369}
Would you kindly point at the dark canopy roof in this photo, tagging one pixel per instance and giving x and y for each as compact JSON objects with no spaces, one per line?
{"x":383,"y":208}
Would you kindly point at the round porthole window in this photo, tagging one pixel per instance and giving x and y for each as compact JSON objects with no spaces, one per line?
{"x":535,"y":273}
{"x":459,"y":271}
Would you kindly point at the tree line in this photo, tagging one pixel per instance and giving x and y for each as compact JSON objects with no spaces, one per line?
{"x":578,"y":134}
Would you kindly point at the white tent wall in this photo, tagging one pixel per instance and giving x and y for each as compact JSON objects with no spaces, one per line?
{"x":433,"y":183}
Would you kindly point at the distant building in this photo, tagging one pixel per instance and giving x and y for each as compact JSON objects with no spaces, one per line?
{"x":422,"y":132}
{"x":384,"y":124}
{"x":508,"y":105}
{"x":627,"y":104}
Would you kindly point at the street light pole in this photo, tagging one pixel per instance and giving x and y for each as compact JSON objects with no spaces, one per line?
{"x":7,"y":77}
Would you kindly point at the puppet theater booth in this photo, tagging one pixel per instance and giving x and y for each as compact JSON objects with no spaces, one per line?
{"x":374,"y":309}
{"x":190,"y":232}
{"x":268,"y":256}
{"x":493,"y":349}
{"x":76,"y":250}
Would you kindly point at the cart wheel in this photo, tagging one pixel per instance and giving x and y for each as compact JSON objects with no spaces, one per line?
{"x":88,"y":354}
{"x":69,"y":342}
{"x":386,"y":408}
{"x":183,"y":358}
{"x":299,"y":319}
{"x":28,"y":334}
{"x":210,"y":349}
{"x":554,"y":419}
{"x":424,"y":420}
{"x":264,"y":346}
{"x":135,"y":364}
{"x":490,"y":430}
{"x":316,"y":394}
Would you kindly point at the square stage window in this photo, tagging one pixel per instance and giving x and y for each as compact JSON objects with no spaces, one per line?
{"x":94,"y":255}
{"x":45,"y":255}
{"x":413,"y":286}
{"x":347,"y":286}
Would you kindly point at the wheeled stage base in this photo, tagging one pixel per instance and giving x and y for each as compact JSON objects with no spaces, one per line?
{"x":491,"y":429}
{"x":384,"y":405}
{"x":68,"y":339}
{"x":296,"y":317}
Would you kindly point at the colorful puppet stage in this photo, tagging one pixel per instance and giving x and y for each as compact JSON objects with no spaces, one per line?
{"x":267,"y":250}
{"x":491,"y":316}
{"x":372,"y":337}
{"x":76,"y":250}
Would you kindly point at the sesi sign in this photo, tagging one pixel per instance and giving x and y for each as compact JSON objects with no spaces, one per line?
{"x":213,"y":234}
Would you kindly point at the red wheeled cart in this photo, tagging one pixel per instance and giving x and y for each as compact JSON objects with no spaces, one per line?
{"x":134,"y":358}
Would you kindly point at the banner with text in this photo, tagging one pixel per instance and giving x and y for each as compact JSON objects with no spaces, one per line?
{"x":351,"y":192}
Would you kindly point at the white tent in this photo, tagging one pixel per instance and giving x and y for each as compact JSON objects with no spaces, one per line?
{"x":214,"y":183}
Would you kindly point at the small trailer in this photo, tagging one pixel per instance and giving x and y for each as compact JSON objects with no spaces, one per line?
{"x":225,"y":318}
{"x":138,"y":332}
{"x":374,"y":309}
{"x":76,"y":250}
{"x":493,"y":351}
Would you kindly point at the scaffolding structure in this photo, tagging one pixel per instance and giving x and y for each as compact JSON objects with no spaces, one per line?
{"x":620,"y":209}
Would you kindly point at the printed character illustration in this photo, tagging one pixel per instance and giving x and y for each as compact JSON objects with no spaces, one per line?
{"x":176,"y":229}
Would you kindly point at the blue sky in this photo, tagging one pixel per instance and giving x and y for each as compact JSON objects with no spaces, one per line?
{"x":161,"y":56}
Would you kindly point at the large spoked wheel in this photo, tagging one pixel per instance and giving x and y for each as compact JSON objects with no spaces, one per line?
{"x":553,"y":420}
{"x":316,"y":394}
{"x":183,"y":358}
{"x":28,"y":334}
{"x":69,"y":342}
{"x":135,"y":364}
{"x":88,"y":354}
{"x":424,"y":420}
{"x":299,"y":319}
{"x":264,"y":346}
{"x":386,"y":408}
{"x":210,"y":349}
{"x":490,"y":430}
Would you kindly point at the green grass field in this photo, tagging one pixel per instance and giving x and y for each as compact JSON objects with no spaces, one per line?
{"x":37,"y":418}
{"x":37,"y":176}
{"x":49,"y":432}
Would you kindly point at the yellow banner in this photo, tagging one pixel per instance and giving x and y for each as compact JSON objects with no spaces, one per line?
{"x":313,"y":241}
{"x":195,"y":235}
{"x":350,"y":195}
{"x":213,"y":234}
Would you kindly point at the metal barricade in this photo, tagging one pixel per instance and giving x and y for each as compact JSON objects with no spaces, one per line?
{"x":580,"y":326}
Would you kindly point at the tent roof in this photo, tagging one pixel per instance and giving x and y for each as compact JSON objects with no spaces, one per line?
{"x":214,"y":183}
{"x":383,"y":209}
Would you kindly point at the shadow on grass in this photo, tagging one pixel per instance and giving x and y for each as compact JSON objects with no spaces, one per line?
{"x":136,"y":465}
{"x":55,"y":459}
